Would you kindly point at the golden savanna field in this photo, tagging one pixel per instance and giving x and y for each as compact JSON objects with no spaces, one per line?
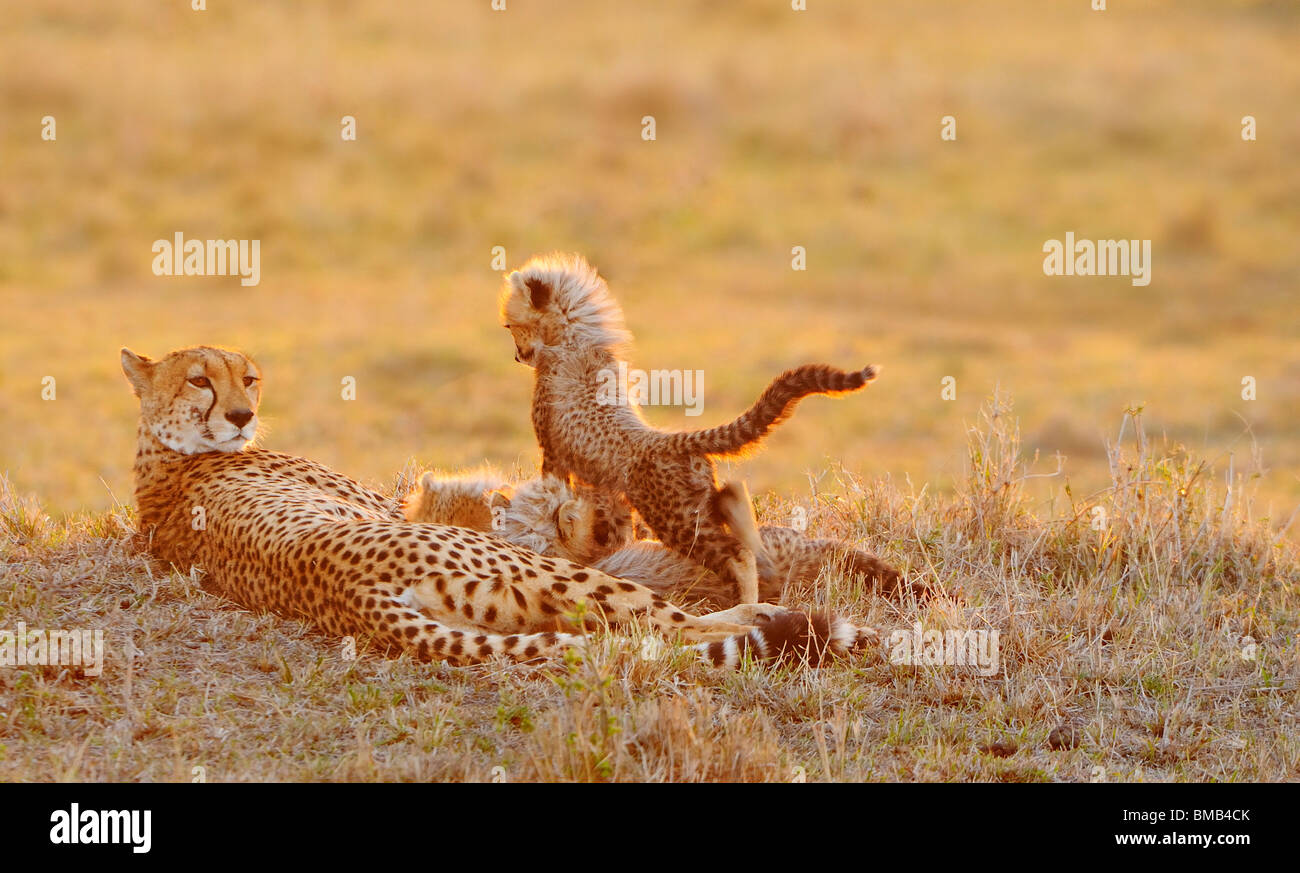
{"x":773,"y":129}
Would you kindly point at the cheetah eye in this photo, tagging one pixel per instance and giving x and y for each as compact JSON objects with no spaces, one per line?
{"x":200,"y":382}
{"x":249,"y":380}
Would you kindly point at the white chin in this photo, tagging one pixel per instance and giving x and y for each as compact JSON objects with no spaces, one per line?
{"x":233,"y":444}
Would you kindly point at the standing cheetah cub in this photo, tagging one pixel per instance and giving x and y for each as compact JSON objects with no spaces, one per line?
{"x":291,"y":536}
{"x":570,"y":330}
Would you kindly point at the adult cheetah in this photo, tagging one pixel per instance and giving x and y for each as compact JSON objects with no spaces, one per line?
{"x":282,"y":533}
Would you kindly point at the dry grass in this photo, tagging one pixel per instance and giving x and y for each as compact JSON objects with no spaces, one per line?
{"x":1129,"y":630}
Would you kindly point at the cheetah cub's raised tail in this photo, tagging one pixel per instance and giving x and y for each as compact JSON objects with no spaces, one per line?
{"x":774,"y":405}
{"x":568,"y":327}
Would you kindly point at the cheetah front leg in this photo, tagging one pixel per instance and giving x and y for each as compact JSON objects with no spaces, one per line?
{"x":620,"y":601}
{"x":747,"y":613}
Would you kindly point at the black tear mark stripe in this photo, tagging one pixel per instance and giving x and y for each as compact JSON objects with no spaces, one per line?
{"x":213,"y":385}
{"x":207,"y":415}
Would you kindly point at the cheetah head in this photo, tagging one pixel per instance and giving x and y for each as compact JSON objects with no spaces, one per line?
{"x":197,"y":400}
{"x":557,"y":300}
{"x":548,"y":516}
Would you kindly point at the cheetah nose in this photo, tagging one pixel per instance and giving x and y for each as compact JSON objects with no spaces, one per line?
{"x":239,"y":417}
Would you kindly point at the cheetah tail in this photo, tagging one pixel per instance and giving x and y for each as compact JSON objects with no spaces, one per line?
{"x":774,"y":405}
{"x":790,"y":636}
{"x":890,"y":582}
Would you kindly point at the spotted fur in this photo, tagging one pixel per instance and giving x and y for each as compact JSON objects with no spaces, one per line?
{"x":457,"y":499}
{"x":790,"y":561}
{"x":281,"y":533}
{"x":568,"y":327}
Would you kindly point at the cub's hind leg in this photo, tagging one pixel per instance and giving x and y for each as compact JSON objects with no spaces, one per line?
{"x":704,"y":540}
{"x":683,"y":505}
{"x":741,"y":567}
{"x":619,"y":601}
{"x":700,"y":535}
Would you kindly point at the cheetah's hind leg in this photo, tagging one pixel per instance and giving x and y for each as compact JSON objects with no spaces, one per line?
{"x":737,"y":510}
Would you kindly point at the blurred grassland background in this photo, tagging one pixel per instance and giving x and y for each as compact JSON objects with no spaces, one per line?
{"x":775,"y":129}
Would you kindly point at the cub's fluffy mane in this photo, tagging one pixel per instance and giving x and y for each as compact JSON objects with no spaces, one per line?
{"x":533,"y":507}
{"x":577,"y":292}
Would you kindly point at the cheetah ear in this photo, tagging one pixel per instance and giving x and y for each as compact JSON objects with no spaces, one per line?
{"x":138,"y":370}
{"x":537,"y":291}
{"x":499,"y":498}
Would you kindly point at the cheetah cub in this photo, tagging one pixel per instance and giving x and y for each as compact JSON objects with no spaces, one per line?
{"x":457,"y":499}
{"x":568,"y":327}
